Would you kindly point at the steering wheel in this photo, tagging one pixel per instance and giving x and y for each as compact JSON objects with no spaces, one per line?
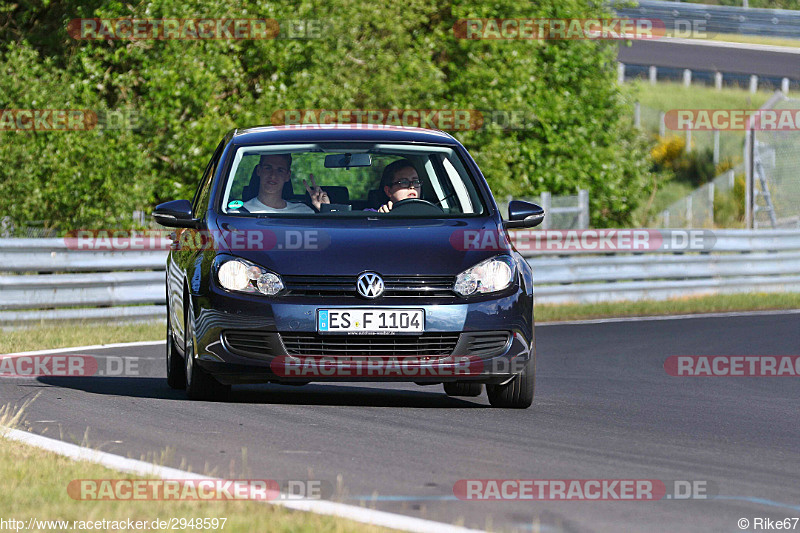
{"x":423,"y":207}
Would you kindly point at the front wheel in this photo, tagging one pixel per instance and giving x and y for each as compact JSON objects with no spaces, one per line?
{"x":200,"y":385}
{"x":518,"y":393}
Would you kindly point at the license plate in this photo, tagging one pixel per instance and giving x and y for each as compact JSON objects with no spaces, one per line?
{"x":370,"y":320}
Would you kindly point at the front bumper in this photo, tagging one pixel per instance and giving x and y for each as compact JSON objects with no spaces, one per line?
{"x":249,"y":339}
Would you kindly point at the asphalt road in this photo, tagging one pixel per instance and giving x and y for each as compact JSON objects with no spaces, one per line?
{"x":605,"y":408}
{"x":700,"y":55}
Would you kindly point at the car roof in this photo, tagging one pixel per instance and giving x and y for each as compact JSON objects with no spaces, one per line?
{"x":339,"y":132}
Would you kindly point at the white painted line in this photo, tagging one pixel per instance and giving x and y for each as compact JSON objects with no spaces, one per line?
{"x":728,"y":44}
{"x":669,"y":317}
{"x":92,"y":347}
{"x":342,"y":510}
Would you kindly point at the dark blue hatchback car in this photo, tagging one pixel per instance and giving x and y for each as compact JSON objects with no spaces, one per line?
{"x":348,"y":253}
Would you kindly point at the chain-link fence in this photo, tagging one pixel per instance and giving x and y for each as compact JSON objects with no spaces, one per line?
{"x":723,"y":145}
{"x":774,"y":178}
{"x":39,"y":230}
{"x":30,"y":230}
{"x":699,"y":209}
{"x":561,"y":212}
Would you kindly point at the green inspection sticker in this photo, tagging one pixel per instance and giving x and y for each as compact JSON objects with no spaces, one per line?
{"x":236,"y":204}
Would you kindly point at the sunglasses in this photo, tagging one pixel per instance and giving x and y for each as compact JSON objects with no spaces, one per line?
{"x":405,"y":184}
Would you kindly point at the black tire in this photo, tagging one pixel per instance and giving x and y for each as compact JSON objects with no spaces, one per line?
{"x":518,"y":393}
{"x":200,"y":385}
{"x":463,"y":388}
{"x":176,"y":371}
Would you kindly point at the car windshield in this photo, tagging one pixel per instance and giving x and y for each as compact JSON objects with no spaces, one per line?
{"x":357,"y":179}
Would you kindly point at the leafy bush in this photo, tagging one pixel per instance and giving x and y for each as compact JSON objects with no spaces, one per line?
{"x":667,"y":150}
{"x":729,"y":205}
{"x":378,"y":55}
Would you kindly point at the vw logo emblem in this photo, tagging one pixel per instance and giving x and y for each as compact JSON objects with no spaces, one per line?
{"x":369,"y":285}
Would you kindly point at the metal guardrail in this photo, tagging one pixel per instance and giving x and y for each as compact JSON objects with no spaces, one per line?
{"x":740,"y":261}
{"x":42,"y":280}
{"x":719,"y":19}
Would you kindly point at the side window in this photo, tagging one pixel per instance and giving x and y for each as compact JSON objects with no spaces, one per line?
{"x":201,"y":198}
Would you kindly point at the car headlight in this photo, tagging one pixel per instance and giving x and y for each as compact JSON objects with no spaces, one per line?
{"x":492,"y":275}
{"x":243,"y":276}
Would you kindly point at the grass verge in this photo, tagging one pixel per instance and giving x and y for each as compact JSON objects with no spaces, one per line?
{"x":65,"y":335}
{"x":35,"y":487}
{"x":664,"y":96}
{"x":682,"y":306}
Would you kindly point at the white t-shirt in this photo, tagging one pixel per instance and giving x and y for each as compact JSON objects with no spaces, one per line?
{"x":255,"y":206}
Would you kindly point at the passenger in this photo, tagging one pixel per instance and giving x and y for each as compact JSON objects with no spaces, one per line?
{"x":400,"y":181}
{"x":274,"y":171}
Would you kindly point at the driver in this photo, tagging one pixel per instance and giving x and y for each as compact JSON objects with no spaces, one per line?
{"x":400,"y":181}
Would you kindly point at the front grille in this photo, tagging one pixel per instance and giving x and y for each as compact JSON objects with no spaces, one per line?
{"x":428,"y":286}
{"x":259,"y":344}
{"x":426,"y":345}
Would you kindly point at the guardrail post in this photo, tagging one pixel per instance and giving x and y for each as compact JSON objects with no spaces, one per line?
{"x":687,"y":77}
{"x":5,"y":227}
{"x":718,"y":80}
{"x":688,"y":139}
{"x":785,"y":85}
{"x":749,"y":141}
{"x":716,"y":147}
{"x":753,"y":83}
{"x":711,"y":204}
{"x":583,"y":205}
{"x":621,"y":73}
{"x":689,"y":211}
{"x":545,"y":204}
{"x":653,"y":74}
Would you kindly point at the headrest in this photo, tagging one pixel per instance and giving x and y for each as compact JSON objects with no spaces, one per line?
{"x":376,"y":198}
{"x":336,"y":194}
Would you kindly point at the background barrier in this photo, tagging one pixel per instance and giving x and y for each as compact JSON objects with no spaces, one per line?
{"x":42,"y":280}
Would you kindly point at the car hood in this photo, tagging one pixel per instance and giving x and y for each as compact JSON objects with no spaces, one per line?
{"x":349,"y":247}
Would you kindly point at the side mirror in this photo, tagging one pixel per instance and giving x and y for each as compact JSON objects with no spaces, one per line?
{"x":175,"y":214}
{"x":523,"y":215}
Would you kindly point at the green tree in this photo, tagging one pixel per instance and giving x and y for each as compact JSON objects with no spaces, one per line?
{"x":374,"y":55}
